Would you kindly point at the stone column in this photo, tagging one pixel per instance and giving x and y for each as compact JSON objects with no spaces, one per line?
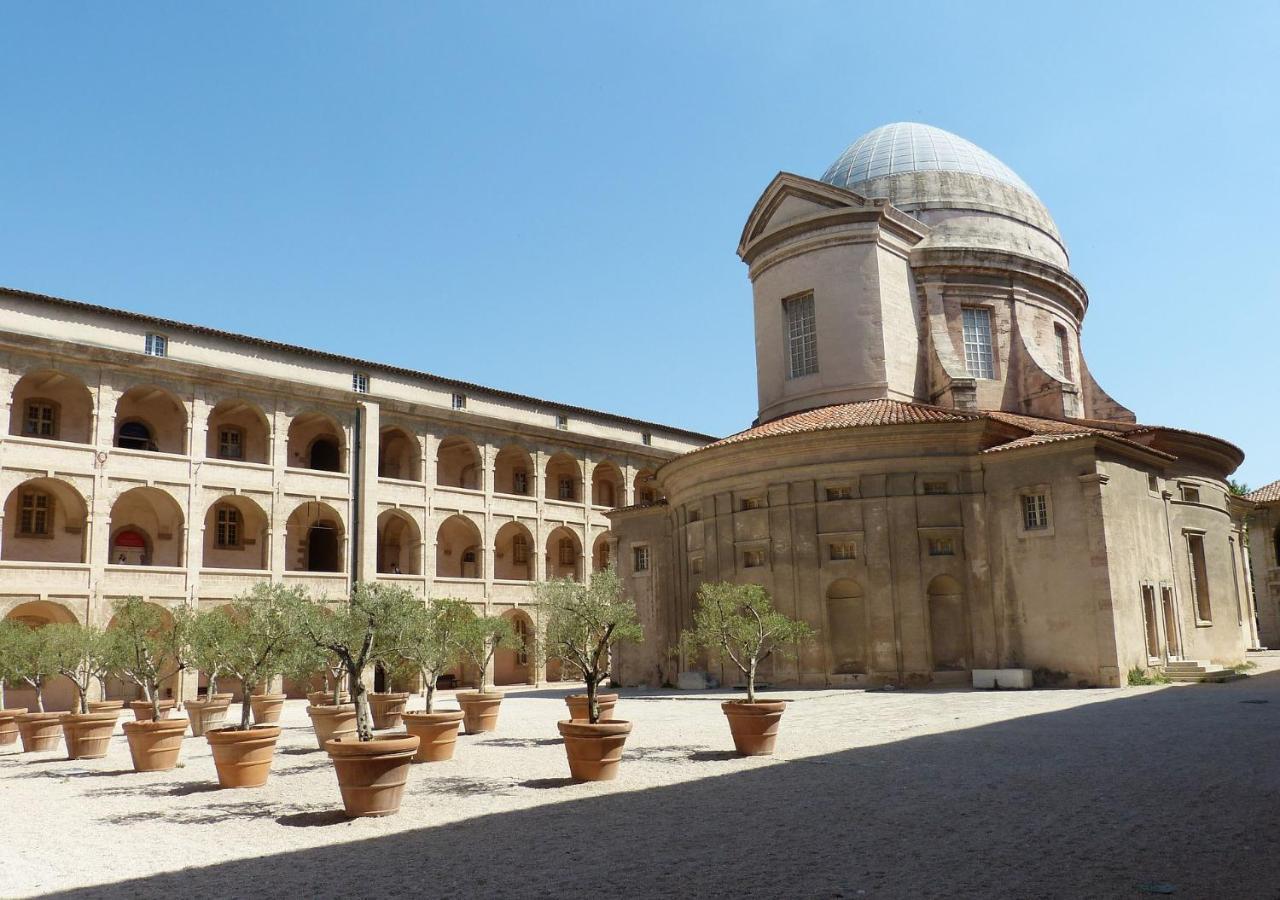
{"x":367,"y":501}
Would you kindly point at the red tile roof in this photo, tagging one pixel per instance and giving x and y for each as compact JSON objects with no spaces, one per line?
{"x":1265,"y":494}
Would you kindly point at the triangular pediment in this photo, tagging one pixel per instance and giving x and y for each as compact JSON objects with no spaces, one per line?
{"x":790,"y":198}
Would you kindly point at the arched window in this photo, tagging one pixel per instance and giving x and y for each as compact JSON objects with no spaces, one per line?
{"x":135,"y":436}
{"x":36,"y":519}
{"x":229,"y":528}
{"x":1064,"y":350}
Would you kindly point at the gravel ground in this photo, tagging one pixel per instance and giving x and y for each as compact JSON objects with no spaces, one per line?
{"x":1098,"y":793}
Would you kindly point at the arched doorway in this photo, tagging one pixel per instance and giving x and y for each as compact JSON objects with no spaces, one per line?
{"x":458,"y":549}
{"x":314,"y":539}
{"x":846,"y":627}
{"x":315,"y":442}
{"x":59,"y":693}
{"x":238,"y":432}
{"x":516,"y":666}
{"x":948,"y":625}
{"x":146,"y":529}
{"x":399,"y":544}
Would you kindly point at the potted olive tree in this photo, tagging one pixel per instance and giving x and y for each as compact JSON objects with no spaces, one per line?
{"x":372,"y":770}
{"x":478,"y":638}
{"x":151,"y":648}
{"x":581,"y":623}
{"x":82,"y":653}
{"x":36,"y":665}
{"x":430,"y":646}
{"x":257,"y":643}
{"x":11,"y":636}
{"x":211,"y":633}
{"x":738,"y":622}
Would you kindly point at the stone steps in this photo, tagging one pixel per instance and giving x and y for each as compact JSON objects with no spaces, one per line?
{"x":1190,"y":671}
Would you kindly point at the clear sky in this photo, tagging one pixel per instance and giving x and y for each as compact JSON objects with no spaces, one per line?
{"x":546,"y":197}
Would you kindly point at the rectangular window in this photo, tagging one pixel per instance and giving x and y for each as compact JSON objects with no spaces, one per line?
{"x":566,"y":489}
{"x":802,"y":337}
{"x":459,"y":401}
{"x":695,"y":515}
{"x":752,"y":559}
{"x":1153,"y":484}
{"x":520,"y":482}
{"x":976,"y":323}
{"x":566,"y":552}
{"x":228,"y":527}
{"x":935,"y":487}
{"x":647,"y":439}
{"x":519,"y":550}
{"x":1064,"y":351}
{"x":360,"y":382}
{"x":942,"y":547}
{"x":1199,"y":577}
{"x":41,"y":420}
{"x":562,"y":422}
{"x":1035,"y":512}
{"x":840,"y":493}
{"x":695,"y":566}
{"x":157,"y":345}
{"x":230,"y":443}
{"x":1190,"y":494}
{"x":844,"y":550}
{"x":640,"y":559}
{"x":751,"y":503}
{"x":1149,"y":621}
{"x":36,"y":519}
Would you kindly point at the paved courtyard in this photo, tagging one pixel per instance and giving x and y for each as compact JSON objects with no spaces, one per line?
{"x":1097,"y":793}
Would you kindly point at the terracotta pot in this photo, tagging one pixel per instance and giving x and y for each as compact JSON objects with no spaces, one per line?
{"x":155,"y":745}
{"x":40,"y":731}
{"x":372,"y":774}
{"x":578,"y":706}
{"x":325,"y":698}
{"x":754,"y":725}
{"x":206,"y":715}
{"x":243,"y":758}
{"x":331,"y":722}
{"x":437,"y":733}
{"x":594,"y":750}
{"x":9,"y":724}
{"x":387,"y":709}
{"x":88,"y":734}
{"x":266,"y":708}
{"x":104,"y":705}
{"x":480,"y":711}
{"x":142,"y":709}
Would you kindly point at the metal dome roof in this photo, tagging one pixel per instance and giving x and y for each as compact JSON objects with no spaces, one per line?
{"x":906,"y":147}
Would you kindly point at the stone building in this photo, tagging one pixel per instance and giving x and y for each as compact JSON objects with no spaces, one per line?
{"x":936,"y":482}
{"x":1264,"y":557}
{"x":140,"y":456}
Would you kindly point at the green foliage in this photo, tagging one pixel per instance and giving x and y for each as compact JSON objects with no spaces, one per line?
{"x":149,"y":645}
{"x":81,"y":653}
{"x":11,"y":670}
{"x":1238,"y":488}
{"x":1139,"y":676}
{"x":739,"y":622}
{"x":431,"y":636}
{"x":478,"y":638}
{"x":582,"y":621}
{"x":210,"y":633}
{"x":31,"y":659}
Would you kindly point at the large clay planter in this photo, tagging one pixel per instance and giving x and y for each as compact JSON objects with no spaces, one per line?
{"x":325,"y":698}
{"x":594,"y":750}
{"x":578,"y":706}
{"x":243,"y":758}
{"x":372,"y":774}
{"x":40,"y":731}
{"x":754,"y":725}
{"x":142,"y":709}
{"x":387,"y":709}
{"x":155,"y":745}
{"x":87,"y":735}
{"x":332,"y":722}
{"x":104,"y":705}
{"x":9,"y":724}
{"x":480,"y":711}
{"x":437,"y":733}
{"x":206,"y":715}
{"x":266,"y":708}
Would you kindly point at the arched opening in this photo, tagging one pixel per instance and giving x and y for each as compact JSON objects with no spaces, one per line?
{"x":45,"y":522}
{"x":606,"y":485}
{"x":315,"y":442}
{"x":235,"y":534}
{"x":564,"y":479}
{"x":315,"y":539}
{"x":513,"y":553}
{"x":564,"y":553}
{"x":458,"y":549}
{"x":847,"y":627}
{"x":948,"y":625}
{"x":150,"y":418}
{"x":458,"y":464}
{"x":398,"y":455}
{"x":1275,"y":541}
{"x":601,"y":552}
{"x":52,"y":405}
{"x":119,"y":689}
{"x":146,"y":529}
{"x":399,"y":543}
{"x":646,"y":488}
{"x":515,"y":666}
{"x":1063,"y":345}
{"x":513,"y":471}
{"x":59,"y":692}
{"x":239,"y":432}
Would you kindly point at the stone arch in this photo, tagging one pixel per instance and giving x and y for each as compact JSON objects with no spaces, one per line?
{"x":513,"y":553}
{"x":459,"y":549}
{"x":316,"y":442}
{"x":315,"y":539}
{"x":146,"y":529}
{"x":148,"y":417}
{"x":513,"y":471}
{"x":236,"y":534}
{"x":602,"y":552}
{"x":606,"y":485}
{"x":564,"y":554}
{"x":238,"y":431}
{"x":846,"y":627}
{"x":45,"y":522}
{"x":458,"y":463}
{"x":949,"y":641}
{"x":399,"y":544}
{"x":52,"y":405}
{"x":516,"y":666}
{"x":118,"y":689}
{"x":563,"y":478}
{"x":399,"y":454}
{"x":646,"y":488}
{"x":59,"y":692}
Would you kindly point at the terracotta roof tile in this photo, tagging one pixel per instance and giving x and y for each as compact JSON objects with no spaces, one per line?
{"x":1265,"y":494}
{"x":848,"y":415}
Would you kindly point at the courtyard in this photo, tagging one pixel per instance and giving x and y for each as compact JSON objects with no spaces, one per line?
{"x":939,"y":793}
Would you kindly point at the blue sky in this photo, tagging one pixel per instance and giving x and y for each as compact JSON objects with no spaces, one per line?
{"x":546,"y":197}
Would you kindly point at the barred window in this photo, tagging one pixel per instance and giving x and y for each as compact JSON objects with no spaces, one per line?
{"x":360,"y":382}
{"x":752,"y":559}
{"x":157,"y":345}
{"x":640,"y":558}
{"x":843,"y":492}
{"x":41,"y":419}
{"x":562,"y":422}
{"x":228,"y":527}
{"x":520,"y":482}
{"x":230,"y":443}
{"x":976,"y":323}
{"x":844,"y":550}
{"x":566,"y":489}
{"x":459,"y":401}
{"x":1035,"y":512}
{"x":519,"y":550}
{"x":942,"y":547}
{"x":1064,"y":350}
{"x":36,"y":519}
{"x":566,"y":552}
{"x":802,"y":336}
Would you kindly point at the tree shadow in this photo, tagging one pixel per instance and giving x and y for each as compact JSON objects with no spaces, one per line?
{"x":714,"y":755}
{"x":519,"y":742}
{"x":298,"y":751}
{"x":205,"y":814}
{"x":542,"y":784}
{"x":461,"y":786}
{"x":194,"y":787}
{"x":314,"y":819}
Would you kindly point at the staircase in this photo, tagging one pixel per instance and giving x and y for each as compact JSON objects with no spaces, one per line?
{"x":1189,"y":670}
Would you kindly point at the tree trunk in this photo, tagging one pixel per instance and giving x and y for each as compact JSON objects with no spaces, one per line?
{"x":83,"y":691}
{"x":364,"y":720}
{"x":39,"y":686}
{"x":593,"y":705}
{"x":1,"y":693}
{"x":430,"y":692}
{"x":213,"y":685}
{"x":751,"y":682}
{"x":246,"y":706}
{"x":153,"y":694}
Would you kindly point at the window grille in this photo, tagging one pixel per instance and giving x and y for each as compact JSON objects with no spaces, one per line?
{"x":802,"y":336}
{"x":976,"y":323}
{"x":1035,"y":512}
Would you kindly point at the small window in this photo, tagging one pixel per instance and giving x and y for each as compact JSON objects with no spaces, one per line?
{"x":646,"y":438}
{"x":695,"y":566}
{"x":360,"y":382}
{"x":228,"y":528}
{"x":802,"y":336}
{"x":646,"y":496}
{"x":843,"y":550}
{"x":751,"y":503}
{"x":566,"y":489}
{"x":520,"y":482}
{"x":1035,"y":512}
{"x":976,"y":326}
{"x":640,"y":558}
{"x":519,"y":549}
{"x":135,"y":436}
{"x":935,"y":487}
{"x":567,"y":555}
{"x":562,"y":422}
{"x":459,"y":401}
{"x":36,"y":519}
{"x":1064,"y":351}
{"x":41,"y":419}
{"x":752,"y":559}
{"x":1153,"y":483}
{"x":1190,"y":493}
{"x":695,"y":515}
{"x":942,"y":547}
{"x":844,"y":492}
{"x":230,"y":443}
{"x":157,"y":345}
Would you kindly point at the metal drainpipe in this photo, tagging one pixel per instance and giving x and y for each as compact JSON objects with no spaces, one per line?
{"x":356,"y":448}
